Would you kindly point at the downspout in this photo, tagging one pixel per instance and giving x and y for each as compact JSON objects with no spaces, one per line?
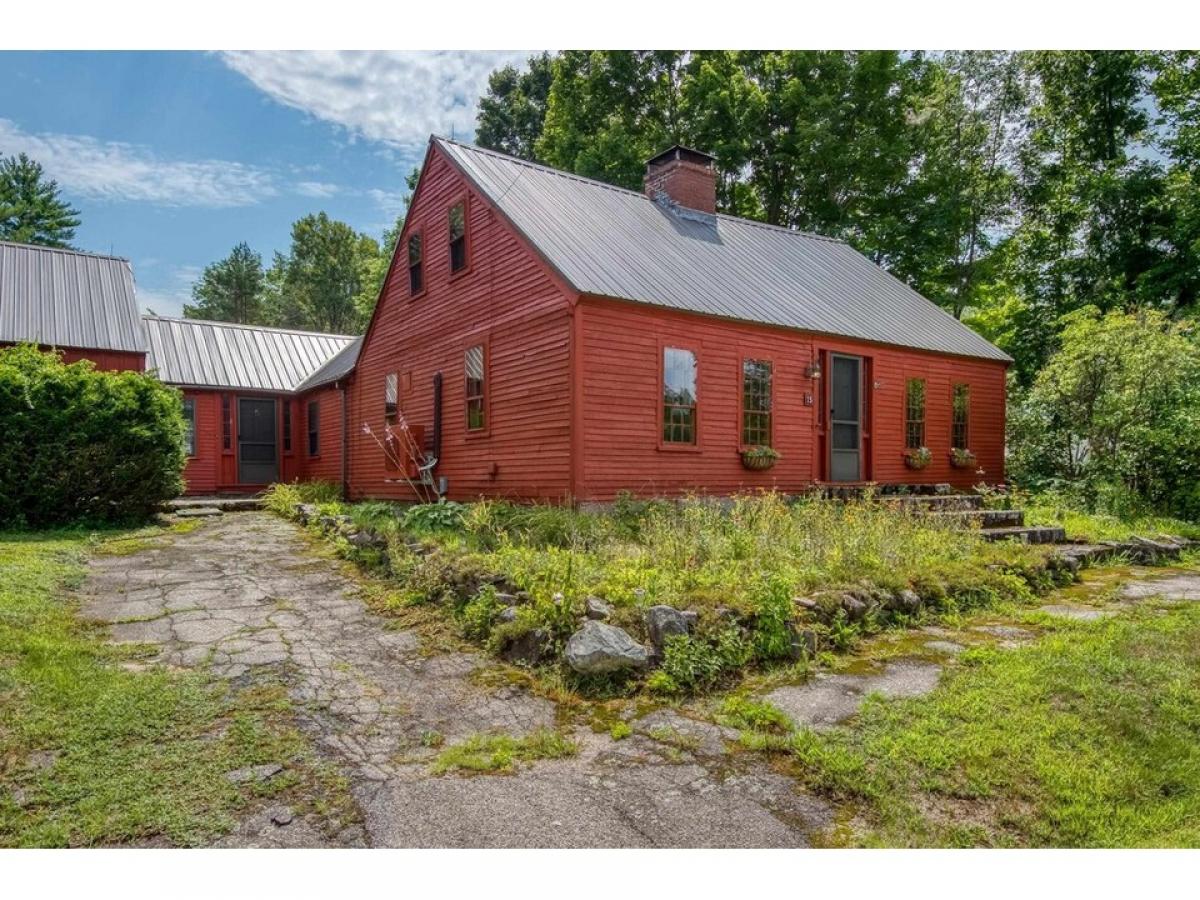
{"x":345,"y":442}
{"x":436,"y":450}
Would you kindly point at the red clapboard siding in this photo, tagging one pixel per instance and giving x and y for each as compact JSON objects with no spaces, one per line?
{"x":621,"y":405}
{"x":506,"y":300}
{"x":327,"y":464}
{"x":105,"y":360}
{"x":202,"y":471}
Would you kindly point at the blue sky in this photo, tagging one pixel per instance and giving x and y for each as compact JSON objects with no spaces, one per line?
{"x":172,"y":158}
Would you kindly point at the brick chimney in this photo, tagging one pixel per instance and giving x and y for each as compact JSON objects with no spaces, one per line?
{"x":686,"y":176}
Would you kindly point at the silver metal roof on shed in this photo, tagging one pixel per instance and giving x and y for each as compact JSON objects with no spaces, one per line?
{"x":612,"y":242}
{"x":64,"y":298}
{"x":247,"y":357}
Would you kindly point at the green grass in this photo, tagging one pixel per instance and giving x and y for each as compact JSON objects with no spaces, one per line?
{"x":503,"y":752}
{"x":92,"y":753}
{"x":1081,"y":525}
{"x":1088,"y":738}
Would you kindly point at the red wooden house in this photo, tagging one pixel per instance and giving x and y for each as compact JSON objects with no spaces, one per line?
{"x":547,"y":336}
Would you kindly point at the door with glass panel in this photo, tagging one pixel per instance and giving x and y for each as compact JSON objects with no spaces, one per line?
{"x":845,"y":418}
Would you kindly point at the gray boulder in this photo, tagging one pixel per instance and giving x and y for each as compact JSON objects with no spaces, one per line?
{"x":664,"y":621}
{"x":508,"y":614}
{"x":597,"y":648}
{"x":596,"y":608}
{"x":855,"y":608}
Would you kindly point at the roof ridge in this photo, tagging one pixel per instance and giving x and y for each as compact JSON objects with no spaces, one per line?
{"x":348,"y":337}
{"x":69,"y":251}
{"x":508,"y":157}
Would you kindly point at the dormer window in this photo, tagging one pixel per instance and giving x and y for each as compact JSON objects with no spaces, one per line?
{"x":416,"y":273}
{"x":458,"y":237}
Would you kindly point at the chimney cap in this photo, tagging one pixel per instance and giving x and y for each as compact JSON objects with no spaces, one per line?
{"x":683,"y":154}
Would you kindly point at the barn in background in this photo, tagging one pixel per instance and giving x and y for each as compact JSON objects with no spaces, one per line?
{"x":80,"y":304}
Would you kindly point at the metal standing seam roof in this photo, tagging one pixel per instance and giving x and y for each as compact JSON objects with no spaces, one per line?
{"x":612,"y":242}
{"x":338,"y":367}
{"x":248,"y":357}
{"x":64,"y":298}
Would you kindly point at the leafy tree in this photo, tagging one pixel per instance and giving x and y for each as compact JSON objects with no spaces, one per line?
{"x":1089,"y":205}
{"x":1012,"y":188}
{"x":960,"y":202}
{"x":512,"y":112}
{"x":323,"y":275}
{"x":610,"y":110}
{"x":1114,"y":416}
{"x":31,"y":209}
{"x":230,"y":290}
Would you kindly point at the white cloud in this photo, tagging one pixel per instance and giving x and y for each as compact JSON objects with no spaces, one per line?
{"x":390,"y":202}
{"x":316,"y":189}
{"x":117,"y":171}
{"x":400,"y":97}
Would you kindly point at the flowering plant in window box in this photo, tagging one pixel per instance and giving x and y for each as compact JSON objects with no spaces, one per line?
{"x":759,"y":458}
{"x":918,"y":458}
{"x":962,"y":458}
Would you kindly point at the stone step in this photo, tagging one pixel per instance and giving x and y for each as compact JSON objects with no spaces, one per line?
{"x":1028,"y":534}
{"x":984,"y":518}
{"x":223,"y":504}
{"x":936,"y":502}
{"x":197,"y":512}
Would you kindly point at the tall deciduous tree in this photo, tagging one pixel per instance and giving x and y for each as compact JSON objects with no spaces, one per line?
{"x":323,"y":275}
{"x":960,"y":203}
{"x":230,"y":290}
{"x":611,"y":110}
{"x":512,"y":112}
{"x":32,"y":210}
{"x":1090,"y":200}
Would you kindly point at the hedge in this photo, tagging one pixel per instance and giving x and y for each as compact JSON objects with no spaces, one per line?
{"x":80,"y":445}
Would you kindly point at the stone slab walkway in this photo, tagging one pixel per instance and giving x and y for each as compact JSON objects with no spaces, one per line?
{"x":828,"y":700}
{"x":244,"y":596}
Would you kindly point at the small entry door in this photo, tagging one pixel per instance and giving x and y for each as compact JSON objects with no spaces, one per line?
{"x":845,"y":418}
{"x":258,"y":458}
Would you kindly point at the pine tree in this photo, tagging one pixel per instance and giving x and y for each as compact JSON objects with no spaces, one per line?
{"x":31,"y":210}
{"x":230,"y":290}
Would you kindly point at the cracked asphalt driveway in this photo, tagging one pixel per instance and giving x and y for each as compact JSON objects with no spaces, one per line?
{"x":246,"y":597}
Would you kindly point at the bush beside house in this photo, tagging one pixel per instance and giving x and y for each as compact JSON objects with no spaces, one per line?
{"x":77,"y":444}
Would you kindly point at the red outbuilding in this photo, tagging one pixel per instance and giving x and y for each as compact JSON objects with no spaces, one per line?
{"x":545,"y":336}
{"x":79,"y":304}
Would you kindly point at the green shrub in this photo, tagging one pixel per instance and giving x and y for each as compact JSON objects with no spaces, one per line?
{"x":694,"y":663}
{"x":445,"y":515}
{"x":80,"y":445}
